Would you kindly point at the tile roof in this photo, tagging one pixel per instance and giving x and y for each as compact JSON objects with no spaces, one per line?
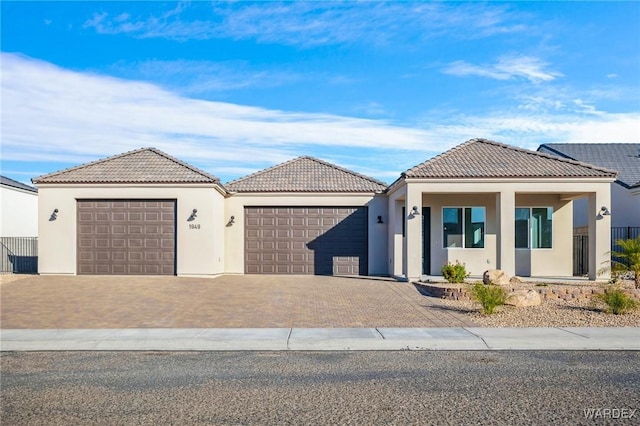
{"x":145,"y":165}
{"x":15,"y":184}
{"x":306,"y":174}
{"x":481,"y":158}
{"x":623,"y":157}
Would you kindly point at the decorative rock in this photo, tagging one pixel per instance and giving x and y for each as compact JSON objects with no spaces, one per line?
{"x":495,"y":276}
{"x":523,"y":298}
{"x":515,"y":280}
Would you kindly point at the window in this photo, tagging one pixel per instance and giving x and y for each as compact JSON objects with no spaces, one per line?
{"x":534,"y":227}
{"x":463,"y":227}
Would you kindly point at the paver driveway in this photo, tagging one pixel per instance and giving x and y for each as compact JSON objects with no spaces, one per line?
{"x":222,"y":302}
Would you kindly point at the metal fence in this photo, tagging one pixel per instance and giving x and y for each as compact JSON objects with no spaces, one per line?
{"x":19,"y":255}
{"x":581,"y":247}
{"x":580,"y":255}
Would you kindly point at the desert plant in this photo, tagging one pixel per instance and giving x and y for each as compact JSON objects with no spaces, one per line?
{"x":489,"y":296}
{"x":454,"y":272}
{"x":616,"y":301}
{"x":629,"y":255}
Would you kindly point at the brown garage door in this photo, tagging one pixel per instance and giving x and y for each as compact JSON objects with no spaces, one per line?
{"x":306,"y":240}
{"x":126,"y":237}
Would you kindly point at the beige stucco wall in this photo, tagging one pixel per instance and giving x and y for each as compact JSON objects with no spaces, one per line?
{"x":199,"y":251}
{"x":19,"y":212}
{"x":234,"y":234}
{"x":624,"y":207}
{"x":500,"y":197}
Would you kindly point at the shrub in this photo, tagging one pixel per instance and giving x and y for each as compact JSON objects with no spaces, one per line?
{"x":616,"y":300}
{"x":489,"y":296}
{"x":454,"y":273}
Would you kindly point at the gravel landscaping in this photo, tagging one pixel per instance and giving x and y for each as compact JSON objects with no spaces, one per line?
{"x":553,"y":312}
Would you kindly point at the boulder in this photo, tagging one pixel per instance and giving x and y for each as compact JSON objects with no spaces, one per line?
{"x":515,"y":280}
{"x":495,"y":276}
{"x":522,"y":298}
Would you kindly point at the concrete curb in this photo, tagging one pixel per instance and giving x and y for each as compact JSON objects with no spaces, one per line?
{"x":321,"y":339}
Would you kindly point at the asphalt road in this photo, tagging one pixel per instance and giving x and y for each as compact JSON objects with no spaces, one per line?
{"x":320,"y":388}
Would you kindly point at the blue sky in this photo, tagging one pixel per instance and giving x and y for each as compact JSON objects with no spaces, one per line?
{"x":376,"y":87}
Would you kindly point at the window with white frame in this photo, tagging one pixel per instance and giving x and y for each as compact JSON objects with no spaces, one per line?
{"x":463,"y":227}
{"x":534,"y":227}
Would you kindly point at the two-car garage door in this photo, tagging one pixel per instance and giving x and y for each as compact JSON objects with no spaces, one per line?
{"x":126,"y":237}
{"x":306,"y":240}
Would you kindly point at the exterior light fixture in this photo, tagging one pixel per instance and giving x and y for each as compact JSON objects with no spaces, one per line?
{"x":54,"y":215}
{"x":604,"y":211}
{"x":415,"y":211}
{"x":232,"y":220}
{"x":193,"y":215}
{"x":380,"y":219}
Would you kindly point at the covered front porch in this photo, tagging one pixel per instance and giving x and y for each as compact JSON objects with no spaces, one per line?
{"x":524,"y":227}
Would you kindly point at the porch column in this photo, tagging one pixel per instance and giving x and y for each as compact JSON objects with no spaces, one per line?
{"x":599,"y":234}
{"x":413,"y":238}
{"x":396,"y":245}
{"x":506,"y":228}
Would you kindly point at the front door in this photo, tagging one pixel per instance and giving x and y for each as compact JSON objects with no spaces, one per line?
{"x":426,"y":240}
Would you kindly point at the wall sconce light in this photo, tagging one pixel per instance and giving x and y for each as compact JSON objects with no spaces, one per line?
{"x":232,"y":220}
{"x":54,"y":215}
{"x":380,"y":219}
{"x":415,"y":211}
{"x":604,"y":211}
{"x":193,"y":215}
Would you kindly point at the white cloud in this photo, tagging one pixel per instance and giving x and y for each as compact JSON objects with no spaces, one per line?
{"x":196,"y":77}
{"x":318,"y":23}
{"x":51,"y":114}
{"x":506,"y":68}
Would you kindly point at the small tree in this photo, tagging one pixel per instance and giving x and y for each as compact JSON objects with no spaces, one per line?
{"x":629,"y":256}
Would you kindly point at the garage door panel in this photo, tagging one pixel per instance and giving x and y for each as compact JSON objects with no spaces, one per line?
{"x":122,"y":237}
{"x":306,"y":240}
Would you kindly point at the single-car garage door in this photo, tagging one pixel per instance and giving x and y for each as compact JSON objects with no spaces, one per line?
{"x":306,"y":240}
{"x":126,"y":237}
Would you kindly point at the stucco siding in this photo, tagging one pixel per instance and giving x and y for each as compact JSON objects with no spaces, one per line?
{"x":200,"y":249}
{"x":625,"y":208}
{"x":477,"y":260}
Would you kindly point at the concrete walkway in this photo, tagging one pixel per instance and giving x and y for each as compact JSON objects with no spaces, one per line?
{"x":320,"y":339}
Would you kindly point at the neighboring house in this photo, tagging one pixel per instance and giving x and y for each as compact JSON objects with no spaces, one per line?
{"x":486,"y":204}
{"x":19,"y":205}
{"x":623,"y":158}
{"x":18,"y":227}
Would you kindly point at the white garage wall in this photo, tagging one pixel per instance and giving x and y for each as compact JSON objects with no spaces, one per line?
{"x":200,"y":252}
{"x":234,"y":234}
{"x":19,"y":212}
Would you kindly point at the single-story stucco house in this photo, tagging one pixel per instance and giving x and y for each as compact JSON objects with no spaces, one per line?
{"x":483,"y":203}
